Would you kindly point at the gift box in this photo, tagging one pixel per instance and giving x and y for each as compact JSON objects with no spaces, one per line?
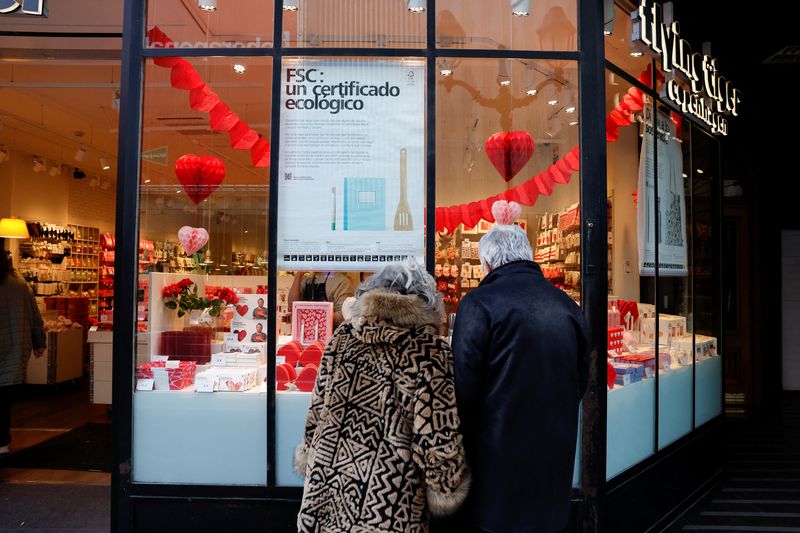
{"x":704,"y":346}
{"x":615,"y":339}
{"x":236,"y":379}
{"x":669,"y":327}
{"x":168,"y":375}
{"x":646,"y":359}
{"x":192,"y":345}
{"x":312,"y":322}
{"x":627,"y":374}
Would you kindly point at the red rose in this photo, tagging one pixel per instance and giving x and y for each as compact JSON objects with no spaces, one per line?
{"x":185,"y":283}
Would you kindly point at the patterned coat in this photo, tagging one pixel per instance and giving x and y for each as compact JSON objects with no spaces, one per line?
{"x":382,"y":447}
{"x":21,"y":329}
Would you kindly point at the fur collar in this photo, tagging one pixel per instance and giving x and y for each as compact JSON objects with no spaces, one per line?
{"x":385,"y":315}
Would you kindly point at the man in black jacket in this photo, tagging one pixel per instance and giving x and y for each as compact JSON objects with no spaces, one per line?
{"x":521,"y":349}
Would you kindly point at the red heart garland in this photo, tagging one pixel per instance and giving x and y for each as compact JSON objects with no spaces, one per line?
{"x":259,"y":153}
{"x":509,"y":152}
{"x":199,"y":176}
{"x":202,"y":98}
{"x":242,"y":309}
{"x":184,"y":76}
{"x":242,"y":137}
{"x":222,"y":118}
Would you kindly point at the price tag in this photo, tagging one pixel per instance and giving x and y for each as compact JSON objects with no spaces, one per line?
{"x":280,"y":359}
{"x":145,"y":384}
{"x":156,"y":358}
{"x":204,"y":383}
{"x":172,"y":364}
{"x":231,"y":338}
{"x":218,"y":359}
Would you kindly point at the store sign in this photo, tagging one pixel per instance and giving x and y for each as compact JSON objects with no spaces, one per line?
{"x":711,"y":96}
{"x":352,"y":164}
{"x":27,"y":7}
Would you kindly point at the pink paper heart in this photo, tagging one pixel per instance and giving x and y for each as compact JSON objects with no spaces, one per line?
{"x":506,"y":213}
{"x":192,"y":239}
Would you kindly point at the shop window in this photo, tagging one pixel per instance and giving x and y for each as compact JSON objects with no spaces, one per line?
{"x":203,"y":328}
{"x":209,"y":24}
{"x":631,"y":57}
{"x":351,"y":200}
{"x":631,"y":309}
{"x":507,"y":24}
{"x":675,"y":338}
{"x":705,"y":214}
{"x":354,"y":23}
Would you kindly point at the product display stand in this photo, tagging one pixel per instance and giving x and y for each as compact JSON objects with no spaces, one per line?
{"x":83,"y":265}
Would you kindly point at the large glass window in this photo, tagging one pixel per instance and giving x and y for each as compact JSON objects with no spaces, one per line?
{"x":507,"y":24}
{"x":354,"y":23}
{"x":201,"y":356}
{"x":210,"y":24}
{"x":620,"y":50}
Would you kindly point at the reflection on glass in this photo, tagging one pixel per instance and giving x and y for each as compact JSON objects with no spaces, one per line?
{"x":209,"y":24}
{"x":354,"y":23}
{"x":620,"y":51}
{"x":631,"y":310}
{"x":507,"y":24}
{"x":705,"y":181}
{"x":201,"y":351}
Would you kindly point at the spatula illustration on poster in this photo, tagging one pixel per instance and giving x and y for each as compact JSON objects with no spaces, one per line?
{"x":402,"y":217}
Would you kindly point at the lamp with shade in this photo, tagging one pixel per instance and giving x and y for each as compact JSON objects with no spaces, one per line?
{"x":13,"y":228}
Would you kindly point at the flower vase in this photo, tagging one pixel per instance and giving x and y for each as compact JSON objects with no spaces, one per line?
{"x":196,"y":339}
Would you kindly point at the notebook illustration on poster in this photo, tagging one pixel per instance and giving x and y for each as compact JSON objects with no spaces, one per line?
{"x":364,"y":204}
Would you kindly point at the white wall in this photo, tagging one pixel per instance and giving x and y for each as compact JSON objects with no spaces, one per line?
{"x":623,"y":162}
{"x":791,"y":310}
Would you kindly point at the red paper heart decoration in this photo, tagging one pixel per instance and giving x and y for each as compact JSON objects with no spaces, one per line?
{"x":259,"y":153}
{"x":509,"y":152}
{"x":242,"y":137}
{"x":242,"y":309}
{"x":202,"y":98}
{"x":242,"y":335}
{"x":611,"y":376}
{"x":199,"y":176}
{"x":184,"y":76}
{"x":222,"y":118}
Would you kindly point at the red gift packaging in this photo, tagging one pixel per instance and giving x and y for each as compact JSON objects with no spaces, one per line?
{"x":284,"y":374}
{"x":306,"y":379}
{"x":192,"y":345}
{"x":172,"y":378}
{"x":312,"y":355}
{"x":290,"y":352}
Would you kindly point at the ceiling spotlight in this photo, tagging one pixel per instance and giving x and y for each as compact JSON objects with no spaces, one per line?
{"x":416,"y":6}
{"x":55,"y":170}
{"x":105,"y":184}
{"x":520,"y":8}
{"x":446,"y":67}
{"x":569,"y":109}
{"x":684,"y":175}
{"x":78,"y":174}
{"x":238,"y":68}
{"x":503,"y":76}
{"x":637,"y":53}
{"x":609,"y":17}
{"x":147,"y":181}
{"x":178,"y":191}
{"x":94,"y":182}
{"x":290,"y":5}
{"x":207,"y":5}
{"x":80,"y":155}
{"x":104,"y":163}
{"x":115,"y":100}
{"x":4,"y":154}
{"x":552,"y":101}
{"x":533,"y":91}
{"x":573,"y":123}
{"x":38,"y":165}
{"x":699,"y":170}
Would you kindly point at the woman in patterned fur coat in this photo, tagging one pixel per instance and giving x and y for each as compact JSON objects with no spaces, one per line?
{"x":382,"y":449}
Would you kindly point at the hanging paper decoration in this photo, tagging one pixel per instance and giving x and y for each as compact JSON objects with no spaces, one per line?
{"x":184,"y":76}
{"x":509,"y":152}
{"x":260,"y":153}
{"x":199,"y":176}
{"x":202,"y":98}
{"x":506,"y":213}
{"x":242,"y":137}
{"x":222,"y":118}
{"x":192,"y":239}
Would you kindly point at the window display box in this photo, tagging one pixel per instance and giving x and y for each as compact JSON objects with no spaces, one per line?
{"x":62,"y":361}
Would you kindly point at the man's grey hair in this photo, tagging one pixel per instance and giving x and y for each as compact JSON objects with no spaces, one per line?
{"x":505,"y":244}
{"x":405,"y":277}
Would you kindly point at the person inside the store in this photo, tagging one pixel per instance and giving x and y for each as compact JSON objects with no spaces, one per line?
{"x":259,"y":335}
{"x":521,"y":355}
{"x":385,"y":393}
{"x":260,"y":312}
{"x":334,"y":287}
{"x":21,"y":333}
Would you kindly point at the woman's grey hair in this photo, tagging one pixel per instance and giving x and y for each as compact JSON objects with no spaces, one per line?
{"x":405,"y":277}
{"x":505,"y":244}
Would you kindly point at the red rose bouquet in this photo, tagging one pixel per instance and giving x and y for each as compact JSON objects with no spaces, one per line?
{"x":184,"y":297}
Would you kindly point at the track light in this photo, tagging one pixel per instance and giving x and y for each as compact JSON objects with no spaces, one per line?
{"x":104,"y":163}
{"x":637,"y":53}
{"x":115,"y":100}
{"x":38,"y":165}
{"x":552,"y":101}
{"x":105,"y":184}
{"x":503,"y":77}
{"x":520,"y":8}
{"x":573,"y":123}
{"x":416,"y":6}
{"x":290,"y":5}
{"x":55,"y":170}
{"x":207,"y":5}
{"x":94,"y":182}
{"x":570,"y":108}
{"x":445,"y":67}
{"x":238,"y":68}
{"x":78,"y":174}
{"x":80,"y":155}
{"x":609,"y":16}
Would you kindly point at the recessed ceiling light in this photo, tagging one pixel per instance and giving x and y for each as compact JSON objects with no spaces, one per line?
{"x":238,"y":68}
{"x":104,"y":163}
{"x":700,"y":171}
{"x":80,"y":155}
{"x":415,"y":6}
{"x":532,"y":91}
{"x":573,"y":123}
{"x":207,"y":5}
{"x":505,"y":83}
{"x":446,"y":72}
{"x":147,"y":181}
{"x":552,"y":101}
{"x":569,"y":109}
{"x":290,"y":5}
{"x":684,"y":175}
{"x":637,"y":54}
{"x":520,"y":8}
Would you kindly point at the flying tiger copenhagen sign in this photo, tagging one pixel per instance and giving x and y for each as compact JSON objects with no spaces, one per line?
{"x":24,"y":7}
{"x":708,"y":96}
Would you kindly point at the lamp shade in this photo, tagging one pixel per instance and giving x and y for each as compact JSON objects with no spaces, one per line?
{"x":13,"y":228}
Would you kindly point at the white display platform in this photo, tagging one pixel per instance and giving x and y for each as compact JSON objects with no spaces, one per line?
{"x":185,"y":437}
{"x":630,"y":422}
{"x":708,"y":395}
{"x":674,"y":405}
{"x":290,"y":421}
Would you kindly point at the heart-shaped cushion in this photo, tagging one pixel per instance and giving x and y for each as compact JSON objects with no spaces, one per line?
{"x":192,"y":239}
{"x":509,"y":152}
